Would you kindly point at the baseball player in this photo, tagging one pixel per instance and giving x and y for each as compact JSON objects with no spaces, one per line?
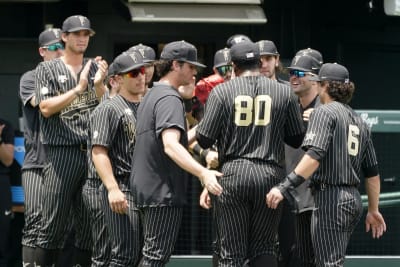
{"x":298,"y":225}
{"x":149,"y":56}
{"x":92,"y":195}
{"x":249,"y":117}
{"x":67,"y":90}
{"x":269,"y":60}
{"x":236,"y":38}
{"x":222,"y":72}
{"x":339,"y":148}
{"x":113,"y":141}
{"x":6,"y":160}
{"x":160,"y":158}
{"x":50,"y":47}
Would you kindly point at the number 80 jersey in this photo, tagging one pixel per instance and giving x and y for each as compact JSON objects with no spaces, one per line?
{"x":250,"y":117}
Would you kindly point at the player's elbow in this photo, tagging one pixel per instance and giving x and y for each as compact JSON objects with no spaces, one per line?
{"x":45,"y":110}
{"x":204,"y":141}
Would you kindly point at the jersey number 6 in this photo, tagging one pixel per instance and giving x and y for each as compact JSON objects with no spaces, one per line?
{"x":248,"y":110}
{"x":352,"y":140}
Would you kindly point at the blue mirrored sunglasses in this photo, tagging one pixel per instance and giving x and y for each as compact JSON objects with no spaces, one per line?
{"x":224,"y":69}
{"x":54,"y":47}
{"x":297,"y":73}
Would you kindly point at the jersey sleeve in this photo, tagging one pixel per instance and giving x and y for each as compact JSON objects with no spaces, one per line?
{"x":45,"y":86}
{"x":320,"y":130}
{"x":169,"y":113}
{"x":369,"y":158}
{"x":27,"y":87}
{"x":210,"y":125}
{"x":294,"y":123}
{"x":103,"y":126}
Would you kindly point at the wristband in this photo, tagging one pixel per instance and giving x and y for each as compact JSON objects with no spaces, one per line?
{"x":291,"y":181}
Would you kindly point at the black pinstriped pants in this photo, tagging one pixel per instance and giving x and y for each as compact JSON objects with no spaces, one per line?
{"x":246,"y":227}
{"x":125,"y":230}
{"x":160,"y":227}
{"x":338,"y":209}
{"x":63,"y":178}
{"x":93,"y":200}
{"x":32,"y":182}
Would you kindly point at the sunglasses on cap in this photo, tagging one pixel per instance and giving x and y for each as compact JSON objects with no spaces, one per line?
{"x":224,"y":69}
{"x":135,"y":72}
{"x":54,"y":47}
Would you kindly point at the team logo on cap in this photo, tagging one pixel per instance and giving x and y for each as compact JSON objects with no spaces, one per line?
{"x":226,"y":54}
{"x":296,"y":59}
{"x":82,"y":19}
{"x":56,"y":33}
{"x":133,"y":56}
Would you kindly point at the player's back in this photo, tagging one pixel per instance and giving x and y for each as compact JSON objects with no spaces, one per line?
{"x":349,"y":144}
{"x":255,"y":114}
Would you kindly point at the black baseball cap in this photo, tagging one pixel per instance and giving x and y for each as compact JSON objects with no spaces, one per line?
{"x":111,"y":70}
{"x":49,"y":37}
{"x":127,"y":62}
{"x":313,"y":53}
{"x":267,"y":47}
{"x":181,"y":51}
{"x":222,"y":57}
{"x":235,"y":39}
{"x":332,"y":72}
{"x":245,"y":51}
{"x":148,"y":53}
{"x":304,"y":63}
{"x":77,"y":23}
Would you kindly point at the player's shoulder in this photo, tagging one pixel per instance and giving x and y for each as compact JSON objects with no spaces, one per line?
{"x":27,"y":78}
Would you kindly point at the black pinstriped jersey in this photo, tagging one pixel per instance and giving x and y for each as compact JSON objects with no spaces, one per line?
{"x":69,"y":127}
{"x":346,"y":140}
{"x":92,"y":173}
{"x":250,"y":117}
{"x":113,"y":126}
{"x":34,"y":149}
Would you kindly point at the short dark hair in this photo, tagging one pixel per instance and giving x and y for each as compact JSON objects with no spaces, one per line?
{"x":248,"y":65}
{"x":340,"y":91}
{"x":162,"y":67}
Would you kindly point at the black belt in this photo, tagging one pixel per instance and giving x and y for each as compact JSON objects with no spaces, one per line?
{"x":317,"y":186}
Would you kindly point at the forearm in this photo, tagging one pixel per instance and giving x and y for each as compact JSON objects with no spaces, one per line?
{"x":6,"y":154}
{"x":53,"y":105}
{"x":183,"y":159}
{"x":100,"y":89}
{"x":103,"y":167}
{"x":373,"y":189}
{"x":191,"y":134}
{"x":306,"y":167}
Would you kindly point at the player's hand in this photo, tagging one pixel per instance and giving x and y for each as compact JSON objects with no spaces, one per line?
{"x":273,"y":198}
{"x":117,"y":201}
{"x":210,"y":182}
{"x":101,"y":72}
{"x":375,"y":222}
{"x":212,"y":159}
{"x":205,"y":200}
{"x":83,"y":78}
{"x":307,"y":113}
